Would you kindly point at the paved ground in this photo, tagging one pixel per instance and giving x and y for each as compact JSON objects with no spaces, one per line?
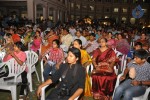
{"x":6,"y":95}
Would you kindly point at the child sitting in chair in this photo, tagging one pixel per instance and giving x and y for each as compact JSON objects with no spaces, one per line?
{"x":139,"y":76}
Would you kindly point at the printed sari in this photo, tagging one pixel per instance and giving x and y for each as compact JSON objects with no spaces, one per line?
{"x":104,"y":84}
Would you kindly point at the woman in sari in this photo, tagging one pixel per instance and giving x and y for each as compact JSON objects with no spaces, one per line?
{"x":111,"y":42}
{"x":49,"y":39}
{"x":122,"y":44}
{"x":36,"y":42}
{"x":103,"y":81}
{"x":85,"y":61}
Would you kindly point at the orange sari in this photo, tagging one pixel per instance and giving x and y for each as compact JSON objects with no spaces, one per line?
{"x":50,"y":41}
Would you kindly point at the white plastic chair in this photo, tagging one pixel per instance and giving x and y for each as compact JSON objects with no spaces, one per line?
{"x":2,"y":54}
{"x":43,"y":93}
{"x":42,"y":67}
{"x":15,"y":71}
{"x":143,"y":97}
{"x":132,"y":44}
{"x":43,"y":88}
{"x":123,"y":60}
{"x":89,"y":68}
{"x":32,"y":59}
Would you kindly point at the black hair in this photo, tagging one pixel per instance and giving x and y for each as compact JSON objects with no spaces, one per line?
{"x":53,"y":29}
{"x":104,"y":39}
{"x":64,"y":28}
{"x":93,"y":34}
{"x":110,"y":33}
{"x":78,"y":30}
{"x":46,"y":32}
{"x":141,"y":53}
{"x":122,"y":35}
{"x":77,"y":53}
{"x":8,"y":34}
{"x":79,"y":41}
{"x":143,"y":33}
{"x":138,"y":43}
{"x":38,"y":32}
{"x":20,"y":45}
{"x":57,"y":42}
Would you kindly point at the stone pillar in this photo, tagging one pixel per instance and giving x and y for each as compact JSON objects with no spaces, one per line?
{"x":30,"y":10}
{"x":58,"y":15}
{"x":44,"y":12}
{"x":54,"y":15}
{"x":48,"y":11}
{"x":66,"y":17}
{"x":35,"y":12}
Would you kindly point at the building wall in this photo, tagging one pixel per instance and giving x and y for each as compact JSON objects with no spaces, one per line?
{"x":33,"y":9}
{"x":63,"y":10}
{"x":120,"y":10}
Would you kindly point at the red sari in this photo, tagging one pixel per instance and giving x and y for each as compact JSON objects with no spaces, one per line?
{"x":104,"y":84}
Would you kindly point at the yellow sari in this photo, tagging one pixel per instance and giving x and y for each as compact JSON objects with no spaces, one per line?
{"x":85,"y":58}
{"x":27,"y":38}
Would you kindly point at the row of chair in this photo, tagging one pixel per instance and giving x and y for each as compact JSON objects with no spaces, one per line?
{"x":15,"y":71}
{"x":123,"y":66}
{"x":32,"y":59}
{"x":90,"y":67}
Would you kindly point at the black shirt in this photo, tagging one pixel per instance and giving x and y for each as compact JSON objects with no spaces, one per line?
{"x":75,"y":82}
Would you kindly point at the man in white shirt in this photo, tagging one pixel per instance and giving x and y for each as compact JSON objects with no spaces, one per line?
{"x":79,"y":36}
{"x":92,"y":44}
{"x":66,"y":40}
{"x":72,"y":30}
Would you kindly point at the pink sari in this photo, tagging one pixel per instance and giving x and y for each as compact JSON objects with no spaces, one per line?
{"x":36,"y":44}
{"x":104,"y":84}
{"x":123,"y":46}
{"x":111,"y":43}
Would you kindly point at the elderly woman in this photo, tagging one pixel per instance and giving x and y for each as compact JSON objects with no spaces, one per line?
{"x":103,"y":77}
{"x":122,"y":44}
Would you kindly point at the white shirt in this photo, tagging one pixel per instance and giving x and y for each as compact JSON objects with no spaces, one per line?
{"x":82,"y":38}
{"x":72,"y":31}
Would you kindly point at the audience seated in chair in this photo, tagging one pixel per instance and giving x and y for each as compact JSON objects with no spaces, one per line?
{"x":139,"y":76}
{"x":20,"y":56}
{"x":73,"y":78}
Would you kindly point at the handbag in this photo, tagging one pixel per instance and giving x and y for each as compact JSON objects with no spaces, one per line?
{"x":4,"y":71}
{"x":98,"y":96}
{"x":104,"y":68}
{"x":64,"y":89}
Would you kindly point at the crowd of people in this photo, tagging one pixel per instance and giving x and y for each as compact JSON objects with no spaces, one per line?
{"x":71,"y":48}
